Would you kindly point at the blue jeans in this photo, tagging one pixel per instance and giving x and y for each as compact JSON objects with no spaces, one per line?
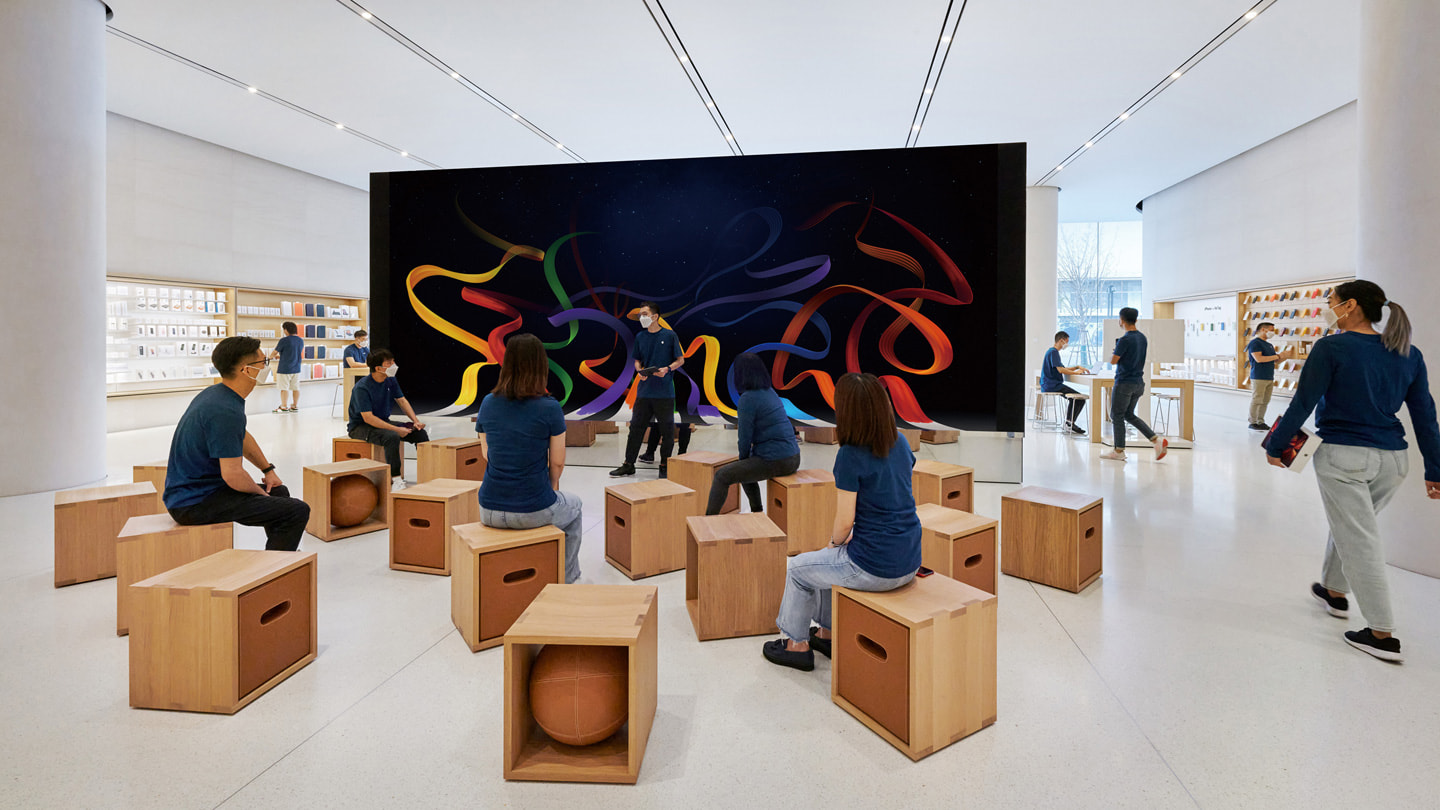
{"x":564,"y":514}
{"x":807,"y":588}
{"x":1123,"y":399}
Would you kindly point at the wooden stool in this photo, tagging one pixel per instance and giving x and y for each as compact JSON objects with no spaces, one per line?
{"x":1051,"y":537}
{"x":803,"y":507}
{"x":949,"y":485}
{"x":734,"y":574}
{"x":600,"y":615}
{"x":87,"y":521}
{"x":216,"y":633}
{"x":421,"y":518}
{"x":154,"y":472}
{"x":317,"y":493}
{"x":580,"y":434}
{"x":939,"y":436}
{"x":153,"y":544}
{"x":696,"y":470}
{"x":344,"y":448}
{"x":819,"y":435}
{"x":912,"y":436}
{"x":645,"y":526}
{"x":959,"y":545}
{"x":457,"y":458}
{"x":916,"y":664}
{"x":497,"y":572}
{"x":607,"y":427}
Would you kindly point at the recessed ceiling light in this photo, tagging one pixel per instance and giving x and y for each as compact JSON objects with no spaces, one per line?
{"x":367,"y":15}
{"x":729,"y":137}
{"x":1124,"y":116}
{"x":915,"y":128}
{"x":1060,"y":167}
{"x":684,"y":58}
{"x":404,"y":154}
{"x":339,"y":126}
{"x":516,"y":116}
{"x":929,"y":90}
{"x":710,"y":104}
{"x":1251,"y":14}
{"x":945,"y":39}
{"x":1177,"y":74}
{"x":559,"y":145}
{"x":1089,"y":144}
{"x":454,"y":75}
{"x":253,"y":89}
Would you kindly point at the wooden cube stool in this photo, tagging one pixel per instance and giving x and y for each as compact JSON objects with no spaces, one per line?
{"x":939,"y":436}
{"x":819,"y":435}
{"x":607,"y":427}
{"x":317,"y":493}
{"x":916,"y":664}
{"x":217,"y":633}
{"x":154,"y":472}
{"x":580,"y":433}
{"x":1051,"y":537}
{"x":344,"y":448}
{"x":734,"y":574}
{"x":459,"y":458}
{"x":912,"y":436}
{"x":153,"y":544}
{"x":803,"y":507}
{"x":87,"y":522}
{"x":949,"y":485}
{"x":697,"y":469}
{"x":959,"y":545}
{"x":421,"y":517}
{"x":645,"y":526}
{"x":598,"y":615}
{"x":495,"y":575}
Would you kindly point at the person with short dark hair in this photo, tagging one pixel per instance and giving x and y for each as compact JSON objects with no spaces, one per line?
{"x":875,"y":542}
{"x":357,"y":352}
{"x":656,"y":355}
{"x":1129,"y":361}
{"x":767,"y":445}
{"x":1052,"y":382}
{"x":287,"y":376}
{"x":205,"y":479}
{"x":371,"y":403}
{"x":522,"y":433}
{"x":1261,"y":356}
{"x":1355,"y":381}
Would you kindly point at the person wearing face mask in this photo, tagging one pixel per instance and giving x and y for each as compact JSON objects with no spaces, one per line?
{"x":371,"y":403}
{"x":656,"y":355}
{"x":357,"y":352}
{"x":1262,"y":357}
{"x":1355,"y":381}
{"x":205,"y":479}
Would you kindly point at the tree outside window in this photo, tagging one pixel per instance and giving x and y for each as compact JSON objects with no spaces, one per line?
{"x":1097,"y":273}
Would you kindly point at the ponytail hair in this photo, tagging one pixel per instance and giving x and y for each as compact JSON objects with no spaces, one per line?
{"x":1372,"y":302}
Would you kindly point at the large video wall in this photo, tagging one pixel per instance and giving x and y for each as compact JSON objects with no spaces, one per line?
{"x":905,"y":263}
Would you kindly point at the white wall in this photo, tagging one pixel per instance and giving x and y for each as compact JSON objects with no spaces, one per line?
{"x":1280,"y":213}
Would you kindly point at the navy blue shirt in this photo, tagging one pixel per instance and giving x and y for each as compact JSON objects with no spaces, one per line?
{"x":1260,"y":371}
{"x":290,"y":348}
{"x":377,"y":398}
{"x":1050,"y":379}
{"x":656,"y":349}
{"x":1355,"y":386}
{"x":1131,"y":348}
{"x":764,"y":429}
{"x":886,"y":542}
{"x":517,"y":452}
{"x":357,"y":353}
{"x":212,"y":428}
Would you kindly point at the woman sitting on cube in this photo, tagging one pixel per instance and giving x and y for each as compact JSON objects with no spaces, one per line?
{"x":875,"y":545}
{"x":767,"y":439}
{"x":522,"y":433}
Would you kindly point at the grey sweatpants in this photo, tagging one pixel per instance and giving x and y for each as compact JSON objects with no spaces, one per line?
{"x":1355,"y":484}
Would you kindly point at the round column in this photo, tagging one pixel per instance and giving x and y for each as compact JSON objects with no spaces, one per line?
{"x":1399,"y":204}
{"x":52,"y":242}
{"x":1042,"y":235}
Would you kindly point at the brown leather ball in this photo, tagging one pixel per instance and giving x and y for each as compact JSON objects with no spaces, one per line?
{"x":579,"y":694}
{"x":352,"y":499}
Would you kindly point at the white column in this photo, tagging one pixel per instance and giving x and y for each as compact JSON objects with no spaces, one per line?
{"x":1399,"y":206}
{"x":52,"y":242}
{"x":1042,"y":234}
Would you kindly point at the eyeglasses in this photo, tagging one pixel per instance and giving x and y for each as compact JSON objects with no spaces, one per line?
{"x":261,"y":363}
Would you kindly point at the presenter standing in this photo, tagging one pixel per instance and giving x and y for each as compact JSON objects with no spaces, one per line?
{"x":656,"y":355}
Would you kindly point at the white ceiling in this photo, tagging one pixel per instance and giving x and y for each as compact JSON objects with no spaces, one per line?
{"x":788,"y":75}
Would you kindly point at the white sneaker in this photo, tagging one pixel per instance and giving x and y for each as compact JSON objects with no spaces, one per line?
{"x":1162,"y":446}
{"x":1113,"y":455}
{"x":397,"y":484}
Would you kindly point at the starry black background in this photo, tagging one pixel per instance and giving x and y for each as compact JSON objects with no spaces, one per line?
{"x":653,"y":227}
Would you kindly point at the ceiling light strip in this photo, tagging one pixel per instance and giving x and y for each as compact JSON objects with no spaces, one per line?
{"x":938,"y":56}
{"x":251,"y":89}
{"x":1161,"y":86}
{"x":692,"y":73}
{"x":455,"y":75}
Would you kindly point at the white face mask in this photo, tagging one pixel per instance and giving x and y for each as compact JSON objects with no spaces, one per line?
{"x":392,"y":370}
{"x":364,"y":343}
{"x":263,"y":376}
{"x":1332,"y":320}
{"x":645,"y":321}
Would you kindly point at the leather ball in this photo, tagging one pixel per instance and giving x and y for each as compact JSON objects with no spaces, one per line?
{"x":352,"y":499}
{"x":579,"y":694}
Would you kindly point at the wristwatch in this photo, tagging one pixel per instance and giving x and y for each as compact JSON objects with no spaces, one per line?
{"x":267,"y":469}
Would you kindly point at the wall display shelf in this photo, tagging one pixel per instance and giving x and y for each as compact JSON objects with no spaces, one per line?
{"x":159,"y":334}
{"x":326,"y":323}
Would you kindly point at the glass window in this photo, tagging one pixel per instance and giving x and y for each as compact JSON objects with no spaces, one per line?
{"x":1098,"y":272}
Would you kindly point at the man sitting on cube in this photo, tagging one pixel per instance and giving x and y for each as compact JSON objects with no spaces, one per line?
{"x":371,"y":403}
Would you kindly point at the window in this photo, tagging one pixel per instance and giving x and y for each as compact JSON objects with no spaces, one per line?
{"x":1097,"y":274}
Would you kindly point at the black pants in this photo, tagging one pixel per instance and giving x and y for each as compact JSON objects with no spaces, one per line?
{"x":390,"y":440}
{"x":682,"y":439}
{"x":282,"y":516}
{"x":747,"y":472}
{"x":660,"y":410}
{"x":1076,"y":406}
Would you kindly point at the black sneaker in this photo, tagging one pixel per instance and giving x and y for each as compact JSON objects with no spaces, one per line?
{"x":664,"y":471}
{"x":648,"y":458}
{"x":820,"y":645}
{"x":622,"y":471}
{"x":776,"y":653}
{"x":1334,"y":605}
{"x":1075,"y":431}
{"x":1259,"y":426}
{"x":1386,"y":649}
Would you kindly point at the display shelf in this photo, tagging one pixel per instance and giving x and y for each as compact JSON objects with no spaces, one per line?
{"x":159,"y":334}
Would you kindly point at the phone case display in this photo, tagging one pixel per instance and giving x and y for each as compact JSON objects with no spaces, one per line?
{"x":326,"y":323}
{"x":1297,"y":312}
{"x":159,"y":334}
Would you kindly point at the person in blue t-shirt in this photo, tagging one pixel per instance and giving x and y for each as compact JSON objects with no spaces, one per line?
{"x":356,"y":353}
{"x":767,"y":439}
{"x":287,"y":376}
{"x":371,"y":403}
{"x":205,"y":478}
{"x":522,"y":433}
{"x":656,"y":354}
{"x":1129,"y":362}
{"x":875,"y":543}
{"x":1261,"y":356}
{"x":1051,"y":381}
{"x":1355,"y":381}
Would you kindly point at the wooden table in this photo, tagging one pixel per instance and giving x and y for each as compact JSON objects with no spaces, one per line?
{"x":1100,"y":384}
{"x":348,"y":378}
